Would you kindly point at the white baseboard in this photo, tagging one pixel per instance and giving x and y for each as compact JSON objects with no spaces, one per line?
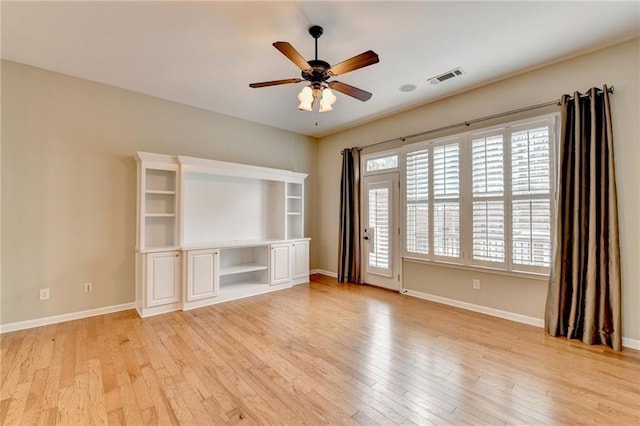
{"x":38,"y":322}
{"x":630,"y":343}
{"x":324,"y":272}
{"x":537,"y":322}
{"x":627,"y":342}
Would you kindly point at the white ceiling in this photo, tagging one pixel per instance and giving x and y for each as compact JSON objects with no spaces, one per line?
{"x":205,"y":54}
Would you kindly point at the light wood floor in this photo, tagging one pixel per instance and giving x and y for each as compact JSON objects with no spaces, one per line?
{"x":318,"y":353}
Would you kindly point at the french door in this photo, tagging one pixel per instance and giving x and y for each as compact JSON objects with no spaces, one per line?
{"x":381,"y":231}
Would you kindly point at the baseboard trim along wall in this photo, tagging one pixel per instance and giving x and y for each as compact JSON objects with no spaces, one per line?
{"x":323,"y":272}
{"x":630,"y":343}
{"x":38,"y":322}
{"x":537,"y":322}
{"x":476,"y":308}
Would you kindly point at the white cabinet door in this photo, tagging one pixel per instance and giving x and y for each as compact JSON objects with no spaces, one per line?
{"x":163,"y":278}
{"x":300,"y":260}
{"x":202,"y":274}
{"x":280,"y":263}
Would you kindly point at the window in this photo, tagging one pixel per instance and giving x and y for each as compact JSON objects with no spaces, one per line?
{"x":531,"y":209}
{"x":417,"y":201}
{"x":482,"y":198}
{"x":446,"y":196}
{"x":382,"y":163}
{"x":487,"y":163}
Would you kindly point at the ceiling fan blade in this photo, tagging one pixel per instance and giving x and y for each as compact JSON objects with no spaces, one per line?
{"x":290,"y":52}
{"x":359,"y":61}
{"x":275,"y":82}
{"x":347,"y":89}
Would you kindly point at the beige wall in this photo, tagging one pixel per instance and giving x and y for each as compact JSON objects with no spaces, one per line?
{"x":617,"y":65}
{"x":69,"y":179}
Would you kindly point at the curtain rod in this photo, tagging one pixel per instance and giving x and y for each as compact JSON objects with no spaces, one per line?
{"x":470,"y":122}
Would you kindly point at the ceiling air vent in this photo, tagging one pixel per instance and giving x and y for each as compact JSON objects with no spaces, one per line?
{"x":446,"y":76}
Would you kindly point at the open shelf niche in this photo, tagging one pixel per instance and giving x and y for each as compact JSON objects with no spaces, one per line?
{"x":157,"y":202}
{"x":294,"y":210}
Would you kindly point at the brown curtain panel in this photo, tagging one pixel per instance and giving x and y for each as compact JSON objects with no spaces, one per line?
{"x":584,"y":298}
{"x":349,"y":249}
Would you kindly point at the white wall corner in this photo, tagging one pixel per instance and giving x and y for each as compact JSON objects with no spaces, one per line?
{"x":324,"y":272}
{"x":630,"y":343}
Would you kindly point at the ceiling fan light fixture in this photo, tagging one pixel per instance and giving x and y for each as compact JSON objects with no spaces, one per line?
{"x":306,"y":99}
{"x":325,"y":107}
{"x":328,"y":99}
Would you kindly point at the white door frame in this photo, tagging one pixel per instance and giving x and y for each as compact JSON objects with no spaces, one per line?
{"x":391,"y":277}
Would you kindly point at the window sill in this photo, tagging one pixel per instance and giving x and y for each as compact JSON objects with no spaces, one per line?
{"x":519,"y":274}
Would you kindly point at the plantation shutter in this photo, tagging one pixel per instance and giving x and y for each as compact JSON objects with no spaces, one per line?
{"x":531,"y":210}
{"x":488,"y":229}
{"x":417,"y":202}
{"x":446,"y":205}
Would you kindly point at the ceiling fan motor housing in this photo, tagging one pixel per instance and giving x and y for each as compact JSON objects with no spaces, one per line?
{"x":318,"y":73}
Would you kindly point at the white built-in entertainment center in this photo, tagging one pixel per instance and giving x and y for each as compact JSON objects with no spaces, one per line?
{"x":210,"y":231}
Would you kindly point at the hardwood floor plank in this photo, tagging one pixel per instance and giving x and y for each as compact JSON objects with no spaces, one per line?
{"x":320,"y":353}
{"x":163,"y":411}
{"x":68,"y":372}
{"x":66,"y":407}
{"x":52,"y":384}
{"x":17,"y":403}
{"x":33,"y":406}
{"x":23,"y":356}
{"x":95,"y":389}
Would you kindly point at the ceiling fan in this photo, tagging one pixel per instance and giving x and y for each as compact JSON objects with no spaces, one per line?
{"x":318,"y":72}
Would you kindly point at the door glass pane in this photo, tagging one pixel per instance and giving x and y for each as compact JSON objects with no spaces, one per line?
{"x":379,"y":221}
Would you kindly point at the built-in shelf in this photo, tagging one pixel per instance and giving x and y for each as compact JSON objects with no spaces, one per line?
{"x":210,"y":231}
{"x":294,"y":210}
{"x":160,"y":191}
{"x":158,"y":179}
{"x":161,"y":249}
{"x":245,"y":264}
{"x":241,"y":269}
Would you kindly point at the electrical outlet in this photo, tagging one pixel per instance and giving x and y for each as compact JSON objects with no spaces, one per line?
{"x":476,"y":284}
{"x":44,"y":294}
{"x":88,"y":288}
